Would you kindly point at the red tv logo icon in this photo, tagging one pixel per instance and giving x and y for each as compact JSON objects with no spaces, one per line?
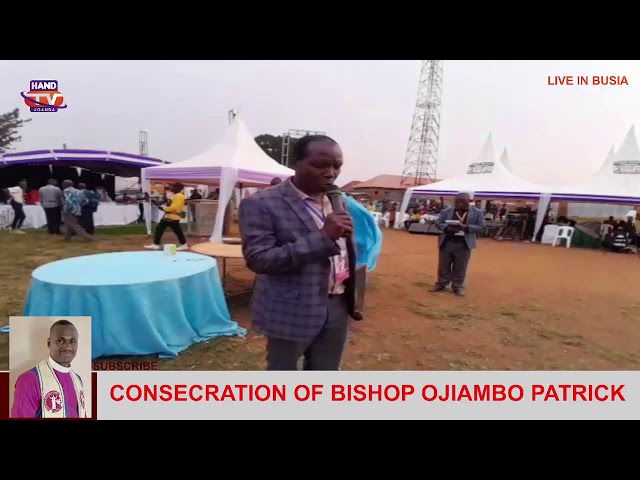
{"x":44,"y":96}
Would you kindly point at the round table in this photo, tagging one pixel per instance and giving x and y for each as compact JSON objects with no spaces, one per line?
{"x":141,"y":303}
{"x":222,"y":251}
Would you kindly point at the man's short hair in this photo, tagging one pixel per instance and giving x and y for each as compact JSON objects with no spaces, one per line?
{"x":299,"y":150}
{"x":60,"y":323}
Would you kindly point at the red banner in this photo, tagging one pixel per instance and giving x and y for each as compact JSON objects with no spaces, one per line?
{"x":5,"y":390}
{"x":4,"y":395}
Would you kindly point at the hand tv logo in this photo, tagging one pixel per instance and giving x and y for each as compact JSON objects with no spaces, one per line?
{"x":44,"y":96}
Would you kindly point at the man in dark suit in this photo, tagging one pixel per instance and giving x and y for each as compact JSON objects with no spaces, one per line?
{"x":303,"y":254}
{"x":456,"y":242}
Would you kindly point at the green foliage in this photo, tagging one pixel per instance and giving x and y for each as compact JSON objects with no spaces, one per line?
{"x":9,"y":125}
{"x":272,"y":145}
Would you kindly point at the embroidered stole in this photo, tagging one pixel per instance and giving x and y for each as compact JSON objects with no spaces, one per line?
{"x":52,"y":402}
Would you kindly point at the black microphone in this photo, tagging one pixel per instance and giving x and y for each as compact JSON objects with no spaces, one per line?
{"x":335,"y":198}
{"x":337,"y":202}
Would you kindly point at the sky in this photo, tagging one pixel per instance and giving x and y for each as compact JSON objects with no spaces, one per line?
{"x":553,"y":134}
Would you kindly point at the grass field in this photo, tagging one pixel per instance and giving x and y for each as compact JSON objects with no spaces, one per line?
{"x":528,"y":307}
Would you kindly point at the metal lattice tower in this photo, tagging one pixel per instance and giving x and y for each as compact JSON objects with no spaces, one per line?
{"x":144,"y":149}
{"x":422,"y":150}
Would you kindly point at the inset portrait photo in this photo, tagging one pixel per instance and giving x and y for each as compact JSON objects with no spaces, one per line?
{"x":50,"y":367}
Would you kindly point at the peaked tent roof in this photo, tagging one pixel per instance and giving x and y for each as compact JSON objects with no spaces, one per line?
{"x":504,"y":158}
{"x":486,"y":177}
{"x":617,"y":181}
{"x":236,"y":149}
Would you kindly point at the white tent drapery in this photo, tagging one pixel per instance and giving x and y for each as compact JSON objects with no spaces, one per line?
{"x":235,"y":160}
{"x":617,"y":181}
{"x":485,"y":178}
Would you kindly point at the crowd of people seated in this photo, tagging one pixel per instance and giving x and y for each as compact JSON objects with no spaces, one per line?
{"x":621,"y":235}
{"x":390,"y":211}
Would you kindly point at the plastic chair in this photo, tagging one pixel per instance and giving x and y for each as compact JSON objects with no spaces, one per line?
{"x":6,"y":218}
{"x":564,"y":233}
{"x":549,"y":234}
{"x":400,"y":219}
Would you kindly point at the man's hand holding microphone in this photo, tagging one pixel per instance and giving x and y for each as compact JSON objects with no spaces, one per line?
{"x":337,"y":225}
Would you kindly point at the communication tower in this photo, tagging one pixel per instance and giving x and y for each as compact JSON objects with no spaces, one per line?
{"x":144,"y":149}
{"x":422,"y":150}
{"x":293,"y":134}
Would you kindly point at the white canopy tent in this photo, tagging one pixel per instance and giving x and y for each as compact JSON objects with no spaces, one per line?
{"x":486,"y":178}
{"x":236,"y":159}
{"x":504,"y":159}
{"x":616,"y":182}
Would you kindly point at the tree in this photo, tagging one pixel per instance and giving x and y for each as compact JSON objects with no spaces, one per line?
{"x":9,"y":125}
{"x":272,"y":145}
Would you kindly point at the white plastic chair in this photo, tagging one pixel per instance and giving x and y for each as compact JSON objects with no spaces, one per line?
{"x":385,"y":220}
{"x":564,"y":233}
{"x":400,"y":219}
{"x":6,"y":218}
{"x":549,"y":234}
{"x":377,"y":216}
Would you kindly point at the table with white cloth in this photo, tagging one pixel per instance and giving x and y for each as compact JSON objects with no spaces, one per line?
{"x":141,"y":303}
{"x":108,"y":214}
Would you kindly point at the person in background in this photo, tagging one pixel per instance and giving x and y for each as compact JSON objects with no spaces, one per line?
{"x":391,"y":221}
{"x":52,"y":389}
{"x":142,"y":198}
{"x":51,"y":199}
{"x":195,"y":195}
{"x":31,"y":197}
{"x":414,"y":218}
{"x":611,"y":221}
{"x":17,"y":203}
{"x":172,"y":216}
{"x":74,"y":200}
{"x":456,"y":242}
{"x":630,"y":227}
{"x":89,"y":208}
{"x":502,"y":212}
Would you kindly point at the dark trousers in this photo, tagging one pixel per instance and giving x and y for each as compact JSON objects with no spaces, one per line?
{"x":18,"y":215}
{"x":173,"y":225}
{"x":86,"y":221}
{"x":54,"y":219}
{"x":322,"y":352}
{"x":453,"y":259}
{"x":72,"y":227}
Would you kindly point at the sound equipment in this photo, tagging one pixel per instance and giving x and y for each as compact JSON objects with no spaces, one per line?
{"x":424,"y":228}
{"x":514,"y":227}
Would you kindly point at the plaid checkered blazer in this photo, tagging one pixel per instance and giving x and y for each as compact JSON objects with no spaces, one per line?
{"x":290,"y":255}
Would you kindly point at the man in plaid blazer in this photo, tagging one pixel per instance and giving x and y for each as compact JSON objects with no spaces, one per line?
{"x":299,"y":248}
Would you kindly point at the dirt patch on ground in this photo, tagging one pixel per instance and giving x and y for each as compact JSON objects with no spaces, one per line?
{"x":528,"y":307}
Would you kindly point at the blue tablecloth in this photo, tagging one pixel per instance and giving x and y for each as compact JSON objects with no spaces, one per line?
{"x":141,"y":303}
